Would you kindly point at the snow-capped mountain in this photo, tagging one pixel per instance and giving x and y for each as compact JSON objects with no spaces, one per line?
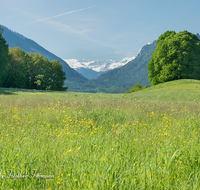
{"x":96,"y":65}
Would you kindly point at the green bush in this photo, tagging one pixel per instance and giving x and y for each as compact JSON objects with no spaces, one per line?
{"x":135,"y":88}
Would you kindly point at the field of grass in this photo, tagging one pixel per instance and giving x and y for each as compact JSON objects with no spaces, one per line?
{"x":65,"y":140}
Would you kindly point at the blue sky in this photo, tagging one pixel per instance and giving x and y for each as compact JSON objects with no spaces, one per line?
{"x":98,"y":29}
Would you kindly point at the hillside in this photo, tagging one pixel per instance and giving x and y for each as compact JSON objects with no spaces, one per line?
{"x":14,"y":39}
{"x":182,"y":91}
{"x":133,"y":72}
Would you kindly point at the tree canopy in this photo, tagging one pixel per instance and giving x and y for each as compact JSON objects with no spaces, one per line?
{"x":3,"y":57}
{"x":177,"y":56}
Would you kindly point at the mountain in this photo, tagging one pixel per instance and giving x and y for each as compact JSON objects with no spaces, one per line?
{"x":14,"y":39}
{"x":198,"y":35}
{"x":98,"y":65}
{"x":133,"y":72}
{"x":88,"y":73}
{"x":92,"y":69}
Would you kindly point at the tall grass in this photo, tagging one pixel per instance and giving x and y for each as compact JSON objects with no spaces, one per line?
{"x":97,"y":141}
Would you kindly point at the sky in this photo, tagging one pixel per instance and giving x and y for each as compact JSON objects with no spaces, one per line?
{"x":98,"y":29}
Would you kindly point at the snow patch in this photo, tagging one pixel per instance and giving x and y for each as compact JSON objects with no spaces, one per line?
{"x":98,"y":65}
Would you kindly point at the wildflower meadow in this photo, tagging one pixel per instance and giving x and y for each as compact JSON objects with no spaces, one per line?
{"x":67,"y":140}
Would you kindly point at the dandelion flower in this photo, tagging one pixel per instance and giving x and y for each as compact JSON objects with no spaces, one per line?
{"x":103,"y":159}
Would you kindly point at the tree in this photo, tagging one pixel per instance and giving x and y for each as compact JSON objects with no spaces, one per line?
{"x":45,"y":74}
{"x":3,"y":58}
{"x":37,"y":69}
{"x":16,"y":76}
{"x":177,"y":56}
{"x":57,"y":76}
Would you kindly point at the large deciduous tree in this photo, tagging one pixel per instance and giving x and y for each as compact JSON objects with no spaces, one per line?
{"x":16,"y":75}
{"x":45,"y":74}
{"x":3,"y":57}
{"x":57,"y":76}
{"x":177,"y":56}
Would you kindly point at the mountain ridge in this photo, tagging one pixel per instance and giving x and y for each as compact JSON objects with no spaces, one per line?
{"x":126,"y":75}
{"x":92,"y":69}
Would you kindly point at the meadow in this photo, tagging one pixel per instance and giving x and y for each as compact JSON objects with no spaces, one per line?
{"x":65,"y":140}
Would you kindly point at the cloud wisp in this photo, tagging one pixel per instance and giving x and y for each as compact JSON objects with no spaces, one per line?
{"x":70,"y":12}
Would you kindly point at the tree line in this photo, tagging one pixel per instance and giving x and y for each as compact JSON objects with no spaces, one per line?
{"x":29,"y":70}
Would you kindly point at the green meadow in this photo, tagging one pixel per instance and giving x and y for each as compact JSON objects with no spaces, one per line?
{"x":65,"y":140}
